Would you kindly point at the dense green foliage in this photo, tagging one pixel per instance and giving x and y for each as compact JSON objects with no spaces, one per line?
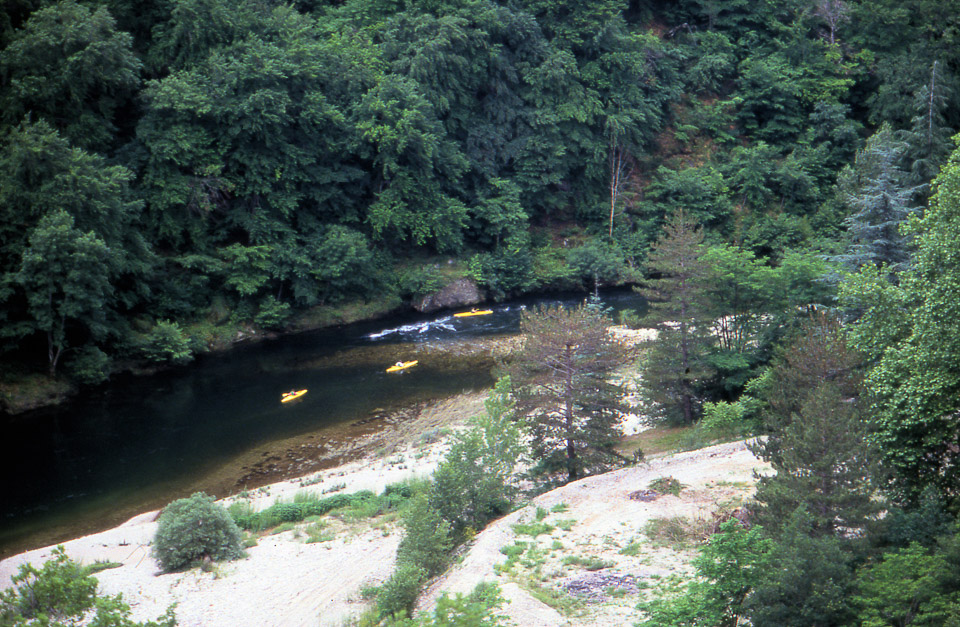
{"x":195,"y":157}
{"x":192,"y":529}
{"x":476,"y":481}
{"x":62,"y":593}
{"x":186,"y":164}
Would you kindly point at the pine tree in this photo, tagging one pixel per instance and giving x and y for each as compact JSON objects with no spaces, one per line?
{"x":877,"y":193}
{"x":677,"y":297}
{"x":562,"y":383}
{"x":928,"y":140}
{"x":817,"y":440}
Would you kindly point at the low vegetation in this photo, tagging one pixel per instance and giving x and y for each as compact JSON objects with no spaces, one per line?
{"x":193,"y":529}
{"x":62,"y":592}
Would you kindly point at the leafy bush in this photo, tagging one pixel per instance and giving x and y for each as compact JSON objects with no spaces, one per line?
{"x":89,"y":365}
{"x":400,"y":592}
{"x":473,"y":483}
{"x":724,"y":420}
{"x":167,"y":343}
{"x":273,"y":314}
{"x":666,"y":485}
{"x":421,"y":282}
{"x":427,"y":542}
{"x":472,"y":610}
{"x":504,"y":272}
{"x":194,"y":528}
{"x":64,"y":591}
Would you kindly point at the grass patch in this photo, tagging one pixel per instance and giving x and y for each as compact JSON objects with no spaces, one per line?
{"x":287,"y":526}
{"x":349,"y":507}
{"x":514,"y":550}
{"x":557,"y":599}
{"x":666,"y":485}
{"x":633,"y":549}
{"x":100,"y":566}
{"x":526,"y":554}
{"x":559,"y":508}
{"x":532,"y":529}
{"x":655,"y":441}
{"x":677,"y":531}
{"x":566,"y":524}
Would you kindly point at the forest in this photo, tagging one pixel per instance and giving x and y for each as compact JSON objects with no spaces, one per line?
{"x":779,"y":178}
{"x":172,"y":169}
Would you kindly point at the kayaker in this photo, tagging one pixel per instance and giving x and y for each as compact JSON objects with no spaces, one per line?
{"x":398,"y":364}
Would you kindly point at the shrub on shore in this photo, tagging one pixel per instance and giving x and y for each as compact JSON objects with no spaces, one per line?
{"x":195,"y":528}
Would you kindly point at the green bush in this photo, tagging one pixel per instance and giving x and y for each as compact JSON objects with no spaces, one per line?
{"x":503,"y":272}
{"x":167,"y":343}
{"x":724,"y":420}
{"x":420,"y":282}
{"x":89,"y":365}
{"x":474,"y":482}
{"x":400,"y":592}
{"x":427,"y":542}
{"x":64,"y":591}
{"x":273,"y":314}
{"x":194,"y":528}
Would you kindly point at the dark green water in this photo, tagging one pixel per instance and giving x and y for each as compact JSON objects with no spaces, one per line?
{"x":138,"y":443}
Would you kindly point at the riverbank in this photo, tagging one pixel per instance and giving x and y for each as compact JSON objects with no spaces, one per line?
{"x":592,"y":558}
{"x":21,"y":392}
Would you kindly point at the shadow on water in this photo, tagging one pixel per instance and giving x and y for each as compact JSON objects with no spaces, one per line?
{"x":140,"y":442}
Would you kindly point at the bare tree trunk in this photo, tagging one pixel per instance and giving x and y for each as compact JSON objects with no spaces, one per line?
{"x":568,"y":415}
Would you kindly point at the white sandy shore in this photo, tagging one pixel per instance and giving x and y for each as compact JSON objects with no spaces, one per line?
{"x":287,"y":582}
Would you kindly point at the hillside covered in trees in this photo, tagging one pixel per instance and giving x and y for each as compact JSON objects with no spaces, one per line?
{"x":170,"y":169}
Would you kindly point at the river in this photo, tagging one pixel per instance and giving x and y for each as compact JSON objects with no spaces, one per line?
{"x":140,"y":442}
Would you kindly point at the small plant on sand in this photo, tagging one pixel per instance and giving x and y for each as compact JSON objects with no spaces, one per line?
{"x":666,"y":485}
{"x":195,"y":528}
{"x":566,"y":524}
{"x":677,"y":530}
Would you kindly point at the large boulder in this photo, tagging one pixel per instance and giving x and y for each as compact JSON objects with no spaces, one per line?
{"x":457,"y":294}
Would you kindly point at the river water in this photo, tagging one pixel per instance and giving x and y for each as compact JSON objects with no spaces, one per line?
{"x":140,"y":442}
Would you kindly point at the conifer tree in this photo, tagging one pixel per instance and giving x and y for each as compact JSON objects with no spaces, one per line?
{"x":678,"y":309}
{"x":879,"y":198}
{"x":817,"y":440}
{"x":928,"y":139}
{"x":562,"y":383}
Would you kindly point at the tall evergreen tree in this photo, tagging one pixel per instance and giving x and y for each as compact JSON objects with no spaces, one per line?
{"x":879,"y":198}
{"x":808,"y":581}
{"x":676,"y":294}
{"x":818,"y":436}
{"x":928,"y":139}
{"x":561,"y":377}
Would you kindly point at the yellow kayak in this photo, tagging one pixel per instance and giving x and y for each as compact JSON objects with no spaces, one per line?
{"x":402,"y":365}
{"x":292,"y":395}
{"x":473,"y":312}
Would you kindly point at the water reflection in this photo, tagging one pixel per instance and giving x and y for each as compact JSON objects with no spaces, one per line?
{"x":139,"y":442}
